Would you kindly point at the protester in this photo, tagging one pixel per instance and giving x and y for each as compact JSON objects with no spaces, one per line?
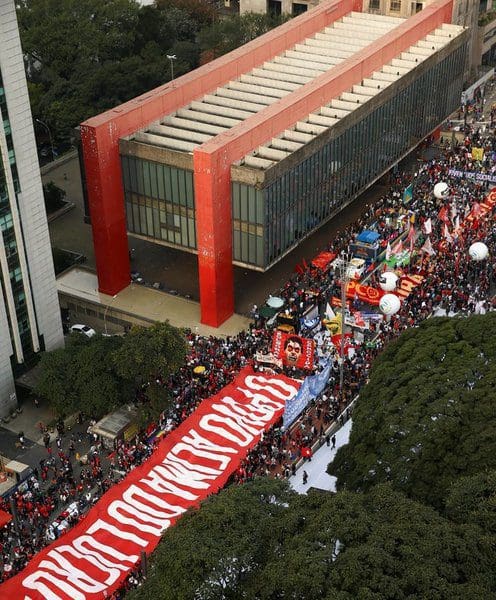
{"x":42,"y":503}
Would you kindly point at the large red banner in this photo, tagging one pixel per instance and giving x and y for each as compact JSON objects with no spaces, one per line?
{"x":293,"y":350}
{"x":191,"y":463}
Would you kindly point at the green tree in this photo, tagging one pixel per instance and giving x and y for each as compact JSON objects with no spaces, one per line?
{"x":58,"y":379}
{"x":211,"y":551}
{"x":148,"y":352}
{"x":201,"y":11}
{"x":262,"y":541}
{"x":426,"y":415}
{"x":473,"y":500}
{"x":99,"y":389}
{"x":81,"y":376}
{"x":85,"y":56}
{"x":228,"y":34}
{"x":157,"y":400}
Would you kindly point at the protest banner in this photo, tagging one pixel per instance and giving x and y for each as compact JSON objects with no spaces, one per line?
{"x":293,"y":350}
{"x":92,"y":560}
{"x":311,"y":387}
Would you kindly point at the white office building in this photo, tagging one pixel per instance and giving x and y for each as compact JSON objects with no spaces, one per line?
{"x":29,"y":310}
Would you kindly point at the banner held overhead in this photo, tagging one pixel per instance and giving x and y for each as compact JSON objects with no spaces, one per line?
{"x":189,"y":464}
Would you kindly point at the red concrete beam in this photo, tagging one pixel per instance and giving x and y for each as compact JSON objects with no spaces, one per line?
{"x":100,"y":134}
{"x":273,"y":119}
{"x":213,"y":159}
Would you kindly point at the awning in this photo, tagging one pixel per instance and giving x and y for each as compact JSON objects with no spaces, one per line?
{"x":5,"y":518}
{"x":267,"y":312}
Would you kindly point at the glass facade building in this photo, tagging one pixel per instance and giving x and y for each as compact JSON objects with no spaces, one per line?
{"x":30,"y":319}
{"x":270,"y":219}
{"x":160,"y":201}
{"x":9,"y":235}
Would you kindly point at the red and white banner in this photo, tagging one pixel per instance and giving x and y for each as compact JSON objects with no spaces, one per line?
{"x":188,"y":465}
{"x":293,"y":350}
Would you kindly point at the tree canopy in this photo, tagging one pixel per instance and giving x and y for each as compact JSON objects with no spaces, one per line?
{"x":148,"y":352}
{"x":262,"y":541}
{"x":86,"y":56}
{"x":100,"y":373}
{"x":228,"y":34}
{"x":82,"y":375}
{"x":426,"y":417}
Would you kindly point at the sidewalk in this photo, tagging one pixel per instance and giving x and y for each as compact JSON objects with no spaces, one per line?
{"x":29,"y":420}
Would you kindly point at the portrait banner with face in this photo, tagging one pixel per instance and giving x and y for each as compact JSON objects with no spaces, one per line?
{"x":293,"y":350}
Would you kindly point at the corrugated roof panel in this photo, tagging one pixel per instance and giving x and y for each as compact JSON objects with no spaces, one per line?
{"x":327,"y":116}
{"x":266,"y":84}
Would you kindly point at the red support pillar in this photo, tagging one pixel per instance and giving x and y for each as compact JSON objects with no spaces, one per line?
{"x":212,"y":180}
{"x":106,"y":201}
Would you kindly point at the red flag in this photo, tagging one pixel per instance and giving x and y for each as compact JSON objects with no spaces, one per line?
{"x":443,"y":214}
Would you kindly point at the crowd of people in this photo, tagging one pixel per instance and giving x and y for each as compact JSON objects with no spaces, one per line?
{"x":54,"y":499}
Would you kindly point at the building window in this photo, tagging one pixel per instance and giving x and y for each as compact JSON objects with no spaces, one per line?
{"x":375,"y":5}
{"x":395,"y":6}
{"x":15,"y":275}
{"x":6,"y":222}
{"x":274,"y":7}
{"x":299,"y":9}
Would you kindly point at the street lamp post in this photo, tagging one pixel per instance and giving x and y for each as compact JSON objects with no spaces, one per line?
{"x":106,"y":311}
{"x":49,"y":136}
{"x":172,"y":58}
{"x":344,"y":276}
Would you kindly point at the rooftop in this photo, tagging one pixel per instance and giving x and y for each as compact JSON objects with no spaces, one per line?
{"x":327,"y":116}
{"x":201,"y":120}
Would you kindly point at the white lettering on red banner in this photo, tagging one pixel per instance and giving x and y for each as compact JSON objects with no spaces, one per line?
{"x":191,"y":463}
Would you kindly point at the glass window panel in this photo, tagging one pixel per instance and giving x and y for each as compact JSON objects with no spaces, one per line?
{"x":260,"y":207}
{"x":243,"y":207}
{"x":260,"y":251}
{"x":168,"y":183}
{"x":237,"y":244}
{"x":235,"y":200}
{"x":153,"y":180}
{"x":190,"y":190}
{"x":181,"y":176}
{"x":149,"y":221}
{"x":142,"y":213}
{"x":160,"y":182}
{"x":252,"y":249}
{"x":174,"y":186}
{"x":156,"y":221}
{"x":129,"y":216}
{"x":136,"y":219}
{"x":192,"y":233}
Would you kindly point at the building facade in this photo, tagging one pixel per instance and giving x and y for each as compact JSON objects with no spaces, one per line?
{"x":241,"y":159}
{"x":29,"y":312}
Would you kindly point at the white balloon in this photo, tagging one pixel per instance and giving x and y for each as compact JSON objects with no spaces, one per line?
{"x":441,"y":190}
{"x":388,"y":281}
{"x":389,"y":304}
{"x":478,"y":251}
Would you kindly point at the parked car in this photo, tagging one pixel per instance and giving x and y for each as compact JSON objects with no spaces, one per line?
{"x":79,"y":328}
